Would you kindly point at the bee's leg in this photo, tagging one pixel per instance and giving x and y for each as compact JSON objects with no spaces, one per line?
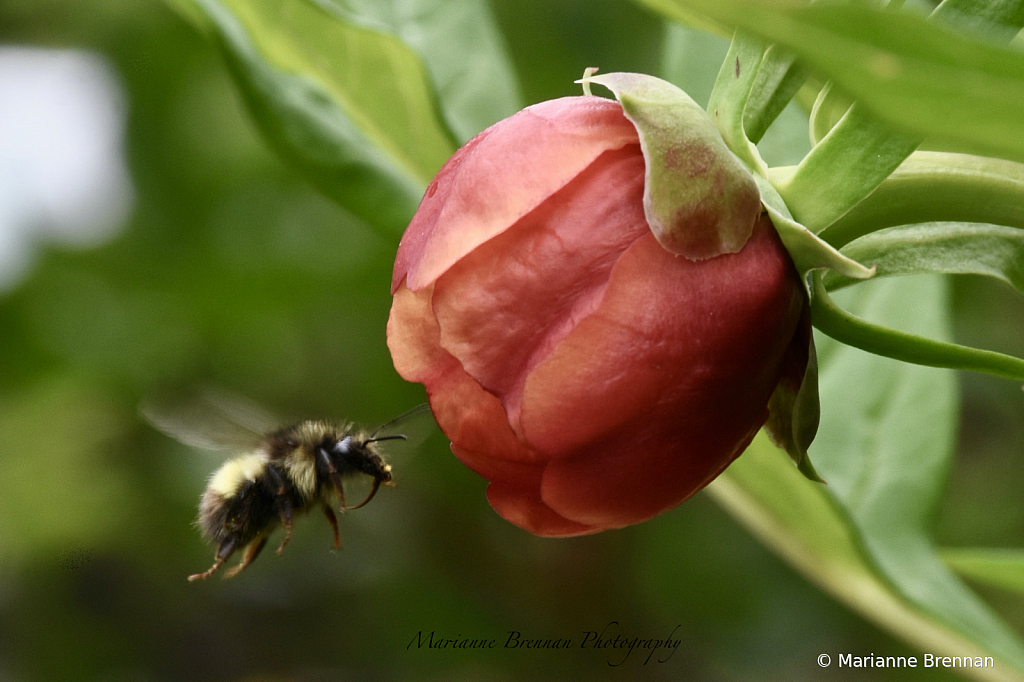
{"x":224,"y":552}
{"x":373,"y":491}
{"x":283,"y":503}
{"x":285,"y":509}
{"x":333,"y":520}
{"x":332,"y":473}
{"x":251,"y":552}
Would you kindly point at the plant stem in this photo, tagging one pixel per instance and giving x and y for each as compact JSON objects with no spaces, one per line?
{"x":891,"y":343}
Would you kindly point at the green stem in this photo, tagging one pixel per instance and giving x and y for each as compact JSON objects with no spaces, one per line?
{"x":936,"y":187}
{"x":891,"y":343}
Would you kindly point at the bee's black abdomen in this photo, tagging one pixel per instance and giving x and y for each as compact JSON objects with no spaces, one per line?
{"x":249,"y":512}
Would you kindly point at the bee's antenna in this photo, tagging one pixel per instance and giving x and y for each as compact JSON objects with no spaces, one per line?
{"x":397,"y":436}
{"x":424,"y":407}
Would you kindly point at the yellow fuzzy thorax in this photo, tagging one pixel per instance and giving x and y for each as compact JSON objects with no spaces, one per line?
{"x":300,"y":468}
{"x":300,"y":463}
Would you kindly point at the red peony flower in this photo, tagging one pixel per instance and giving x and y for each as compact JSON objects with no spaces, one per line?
{"x":592,"y":377}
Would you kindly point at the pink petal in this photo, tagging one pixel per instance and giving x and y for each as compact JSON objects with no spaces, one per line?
{"x":505,"y":306}
{"x":503,"y":174}
{"x":412,"y":335}
{"x":467,"y":414}
{"x":472,"y":418}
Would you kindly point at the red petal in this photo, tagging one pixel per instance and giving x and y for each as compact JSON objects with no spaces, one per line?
{"x":527,"y":511}
{"x":519,"y":474}
{"x":653,"y":394}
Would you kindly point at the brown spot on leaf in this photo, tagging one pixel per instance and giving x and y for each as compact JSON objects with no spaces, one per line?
{"x":695,"y":230}
{"x":737,"y":67}
{"x":690,"y":159}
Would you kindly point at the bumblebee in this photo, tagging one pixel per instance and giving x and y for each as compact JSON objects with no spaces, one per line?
{"x":283,"y":473}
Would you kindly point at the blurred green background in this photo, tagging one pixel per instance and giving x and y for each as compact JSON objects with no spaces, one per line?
{"x":232,"y":271}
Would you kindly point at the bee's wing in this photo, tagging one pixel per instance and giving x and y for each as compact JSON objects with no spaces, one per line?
{"x":211,"y":420}
{"x":405,"y":434}
{"x":398,"y":440}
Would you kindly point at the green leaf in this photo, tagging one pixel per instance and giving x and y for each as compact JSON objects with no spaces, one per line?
{"x":696,"y":19}
{"x":883,"y":445}
{"x":1002,"y":568}
{"x":886,"y":448}
{"x":351,"y":106}
{"x":842,"y":326}
{"x":473,"y":93}
{"x":919,"y":75}
{"x":952,"y":248}
{"x":983,"y":14}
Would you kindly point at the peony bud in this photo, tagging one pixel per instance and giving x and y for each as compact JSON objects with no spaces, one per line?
{"x":591,"y":376}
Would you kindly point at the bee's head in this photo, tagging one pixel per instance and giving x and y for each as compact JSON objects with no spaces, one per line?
{"x":362,"y":456}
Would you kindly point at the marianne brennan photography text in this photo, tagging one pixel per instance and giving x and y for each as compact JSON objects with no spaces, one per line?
{"x":610,"y":638}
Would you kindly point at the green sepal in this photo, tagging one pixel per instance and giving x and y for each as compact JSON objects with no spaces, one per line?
{"x":731,"y":93}
{"x":942,"y":247}
{"x":829,"y":108}
{"x":754,"y":85}
{"x":835,"y":322}
{"x":858,"y":154}
{"x":808,"y":251}
{"x":794,"y":409}
{"x":699,"y":199}
{"x":779,"y":78}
